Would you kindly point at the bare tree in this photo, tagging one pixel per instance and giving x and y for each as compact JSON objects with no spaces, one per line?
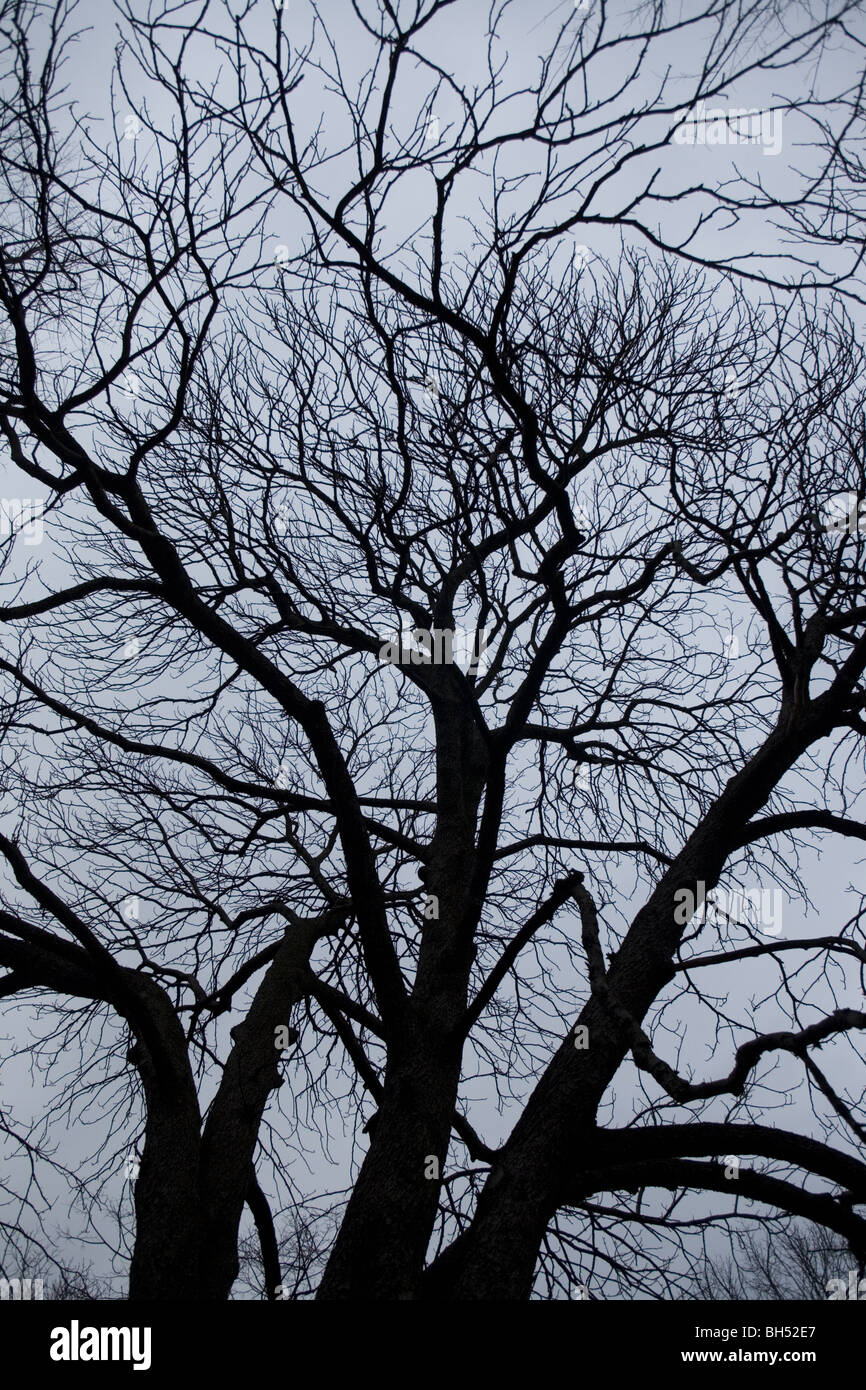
{"x":312,"y":384}
{"x":800,"y":1261}
{"x":290,"y":1267}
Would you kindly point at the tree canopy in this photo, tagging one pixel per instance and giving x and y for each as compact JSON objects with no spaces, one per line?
{"x":433,"y":638}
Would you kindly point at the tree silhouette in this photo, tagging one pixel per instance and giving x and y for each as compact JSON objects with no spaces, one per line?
{"x":431,"y":661}
{"x":800,"y":1261}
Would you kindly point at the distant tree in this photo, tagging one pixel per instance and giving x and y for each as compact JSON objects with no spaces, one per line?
{"x":80,"y":1285}
{"x":50,"y":1279}
{"x":797,"y":1262}
{"x":432,"y":644}
{"x":288,"y":1266}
